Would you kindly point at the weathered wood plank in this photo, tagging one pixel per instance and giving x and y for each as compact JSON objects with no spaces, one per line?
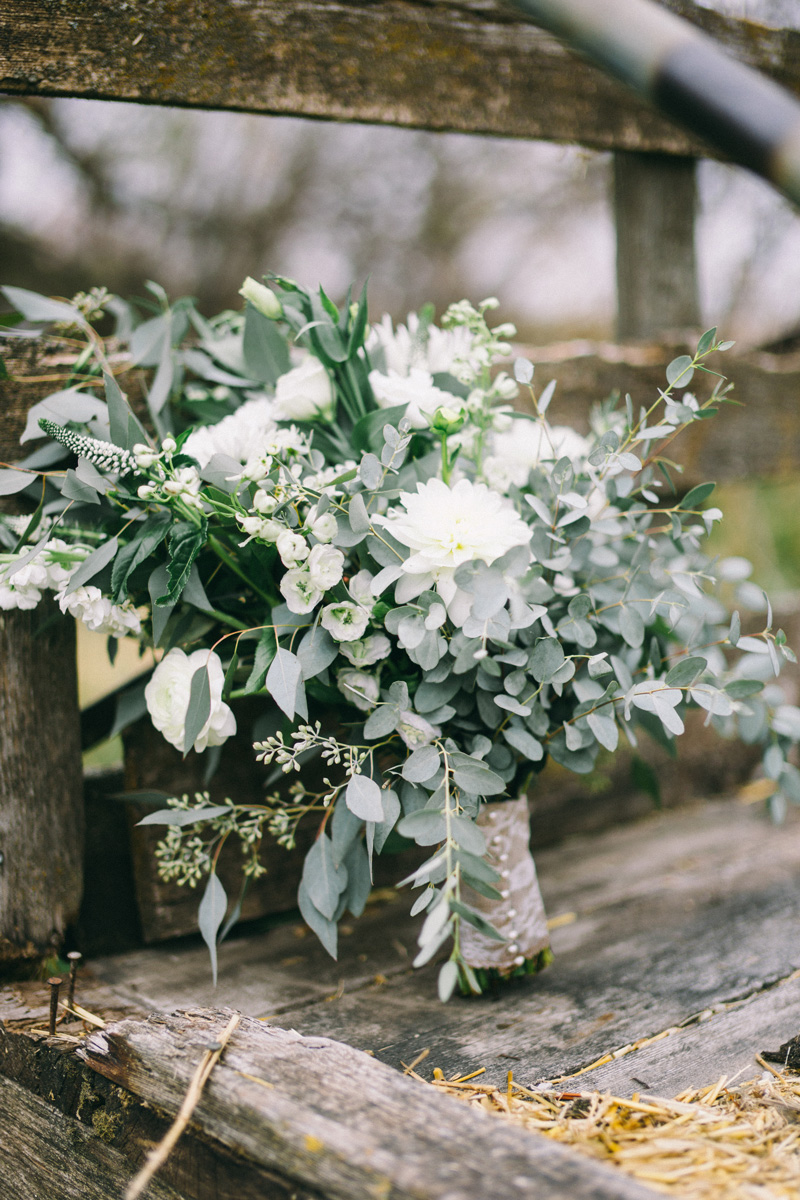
{"x":336,"y":1120}
{"x":671,"y":917}
{"x":654,"y":207}
{"x":45,"y":1153}
{"x":761,"y":439}
{"x":471,"y":66}
{"x":725,"y":1044}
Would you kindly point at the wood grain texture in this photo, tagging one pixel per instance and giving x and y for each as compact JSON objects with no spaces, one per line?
{"x":334,"y":1119}
{"x":41,"y":786}
{"x":467,"y":65}
{"x":654,"y":209}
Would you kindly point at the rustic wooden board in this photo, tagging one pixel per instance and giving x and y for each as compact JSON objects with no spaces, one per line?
{"x":664,"y":919}
{"x":724,"y":1044}
{"x":336,"y":1120}
{"x":469,"y":65}
{"x":683,"y":913}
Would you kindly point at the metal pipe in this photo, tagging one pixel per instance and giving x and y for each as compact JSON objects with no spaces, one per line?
{"x":683,"y":72}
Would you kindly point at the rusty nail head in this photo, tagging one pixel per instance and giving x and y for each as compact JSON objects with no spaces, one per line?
{"x":74,"y":958}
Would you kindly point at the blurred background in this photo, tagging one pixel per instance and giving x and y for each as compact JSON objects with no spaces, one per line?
{"x":97,"y":193}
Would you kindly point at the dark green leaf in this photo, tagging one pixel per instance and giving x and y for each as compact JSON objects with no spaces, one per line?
{"x":137,"y":550}
{"x":186,"y":540}
{"x":131,"y":705}
{"x":368,"y":431}
{"x":697,"y":495}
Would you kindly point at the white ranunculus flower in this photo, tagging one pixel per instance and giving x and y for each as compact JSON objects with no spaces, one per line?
{"x":298,"y":591}
{"x":325,"y":566}
{"x":514,"y":452}
{"x":370,"y":650}
{"x":359,"y":688}
{"x":416,"y":731}
{"x":446,"y":526}
{"x":417,"y":390}
{"x":345,"y":622}
{"x":305,"y":392}
{"x":167,"y":698}
{"x":291,"y":547}
{"x":89,"y":605}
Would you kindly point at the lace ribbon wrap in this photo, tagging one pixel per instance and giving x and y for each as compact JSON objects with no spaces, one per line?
{"x":519,"y":916}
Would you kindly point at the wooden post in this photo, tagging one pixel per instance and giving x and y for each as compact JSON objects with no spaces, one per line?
{"x":654,"y":208}
{"x":41,"y":783}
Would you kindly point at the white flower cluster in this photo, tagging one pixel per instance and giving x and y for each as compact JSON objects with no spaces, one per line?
{"x":96,"y":611}
{"x":50,"y":570}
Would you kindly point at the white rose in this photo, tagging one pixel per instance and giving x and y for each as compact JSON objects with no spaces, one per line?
{"x":325,"y":566}
{"x":167,"y":698}
{"x":304,"y":393}
{"x":298,"y":591}
{"x":360,"y":688}
{"x":515,"y":451}
{"x":416,"y":731}
{"x":291,"y":547}
{"x":370,"y":650}
{"x":32,"y":575}
{"x":345,"y":622}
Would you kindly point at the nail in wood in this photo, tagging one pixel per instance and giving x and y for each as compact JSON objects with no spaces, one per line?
{"x":54,"y":983}
{"x":74,"y":957}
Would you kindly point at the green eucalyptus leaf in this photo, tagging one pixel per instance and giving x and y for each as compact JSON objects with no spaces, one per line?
{"x":210,"y":916}
{"x":199,"y":709}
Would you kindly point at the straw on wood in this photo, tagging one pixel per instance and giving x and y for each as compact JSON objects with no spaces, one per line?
{"x":728,"y":1141}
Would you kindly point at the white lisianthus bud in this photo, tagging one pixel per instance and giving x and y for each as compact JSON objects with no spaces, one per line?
{"x":359,"y":688}
{"x":167,"y":698}
{"x":145,"y":456}
{"x":324,"y":528}
{"x":263,"y":502}
{"x":291,"y":547}
{"x":173,"y":487}
{"x":370,"y":650}
{"x":262,"y":298}
{"x":262,"y":528}
{"x":325,"y":565}
{"x":304,"y":393}
{"x":189,"y":479}
{"x":416,"y":731}
{"x":345,"y":622}
{"x":169,"y":445}
{"x":361,"y":589}
{"x":298,"y":591}
{"x":146,"y":491}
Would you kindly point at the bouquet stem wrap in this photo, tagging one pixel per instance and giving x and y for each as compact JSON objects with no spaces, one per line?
{"x":520,"y":914}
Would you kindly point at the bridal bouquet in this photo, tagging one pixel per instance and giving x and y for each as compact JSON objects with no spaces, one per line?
{"x":433,"y":588}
